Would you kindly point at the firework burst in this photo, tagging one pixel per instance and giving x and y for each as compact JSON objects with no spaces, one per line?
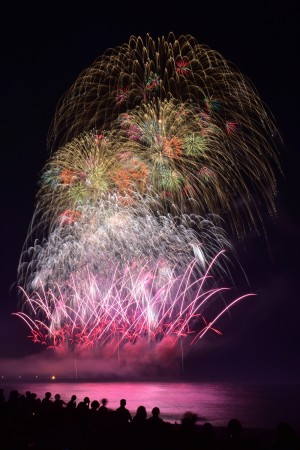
{"x":156,"y":150}
{"x":187,"y":111}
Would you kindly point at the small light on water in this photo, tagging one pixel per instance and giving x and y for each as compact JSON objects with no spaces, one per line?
{"x":20,"y":376}
{"x":53,"y":377}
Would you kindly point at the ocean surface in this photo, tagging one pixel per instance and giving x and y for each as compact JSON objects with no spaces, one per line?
{"x":255,"y":405}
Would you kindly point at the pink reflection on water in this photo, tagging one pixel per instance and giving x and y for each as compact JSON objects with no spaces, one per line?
{"x":173,"y":399}
{"x":254,"y":405}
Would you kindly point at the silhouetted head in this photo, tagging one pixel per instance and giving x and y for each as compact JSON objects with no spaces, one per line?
{"x":48,"y":395}
{"x":285,"y":433}
{"x":104,"y":401}
{"x":123,"y":402}
{"x":57,"y":396}
{"x":141,"y":412}
{"x":155,"y":411}
{"x":86,"y":400}
{"x":73,"y":398}
{"x":95,"y":404}
{"x":189,"y":419}
{"x":14,"y":394}
{"x":208,"y":433}
{"x":234,"y":428}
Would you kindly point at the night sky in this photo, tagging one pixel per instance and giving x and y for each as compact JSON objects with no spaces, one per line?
{"x":44,"y":51}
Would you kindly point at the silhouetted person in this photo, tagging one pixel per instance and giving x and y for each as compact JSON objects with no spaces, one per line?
{"x":58,"y":403}
{"x":46,"y":403}
{"x":58,"y":415}
{"x":139,"y":427}
{"x":188,"y":421}
{"x":27,"y":395}
{"x":13,"y":400}
{"x":122,"y":420}
{"x":70,"y":414}
{"x":158,"y":431}
{"x":92,"y":425}
{"x":188,"y":436}
{"x":105,"y":416}
{"x":83,"y":407}
{"x":72,"y":402}
{"x":123,"y":416}
{"x":103,"y":409}
{"x":86,"y":402}
{"x":28,"y":404}
{"x":140,"y":417}
{"x":80,"y":424}
{"x":82,"y":410}
{"x":34,"y":404}
{"x":155,"y":420}
{"x":2,"y":397}
{"x":207,"y":437}
{"x":58,"y":408}
{"x":286,"y":438}
{"x":94,"y":405}
{"x":46,"y":408}
{"x":2,"y":403}
{"x":47,"y":420}
{"x":14,"y":406}
{"x":234,"y":436}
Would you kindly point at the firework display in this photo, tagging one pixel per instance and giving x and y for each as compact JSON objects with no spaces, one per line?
{"x":157,"y":150}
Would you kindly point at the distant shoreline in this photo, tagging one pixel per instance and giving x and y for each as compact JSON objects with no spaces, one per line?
{"x":58,"y":379}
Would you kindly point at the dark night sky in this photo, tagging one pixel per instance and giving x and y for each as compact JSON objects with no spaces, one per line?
{"x":43,"y":52}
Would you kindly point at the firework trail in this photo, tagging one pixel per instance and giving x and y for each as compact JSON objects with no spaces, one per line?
{"x":156,"y":150}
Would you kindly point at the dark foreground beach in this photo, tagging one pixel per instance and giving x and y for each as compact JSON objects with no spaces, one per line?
{"x":47,"y":423}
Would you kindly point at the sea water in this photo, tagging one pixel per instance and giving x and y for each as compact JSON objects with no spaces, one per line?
{"x":255,"y":405}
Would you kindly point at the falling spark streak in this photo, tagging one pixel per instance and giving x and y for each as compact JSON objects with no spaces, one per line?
{"x":209,"y":326}
{"x":130,"y":308}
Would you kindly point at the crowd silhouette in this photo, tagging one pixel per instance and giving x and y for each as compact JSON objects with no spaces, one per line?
{"x":51,"y":423}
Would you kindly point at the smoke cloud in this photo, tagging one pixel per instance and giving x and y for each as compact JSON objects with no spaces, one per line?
{"x":131,"y":361}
